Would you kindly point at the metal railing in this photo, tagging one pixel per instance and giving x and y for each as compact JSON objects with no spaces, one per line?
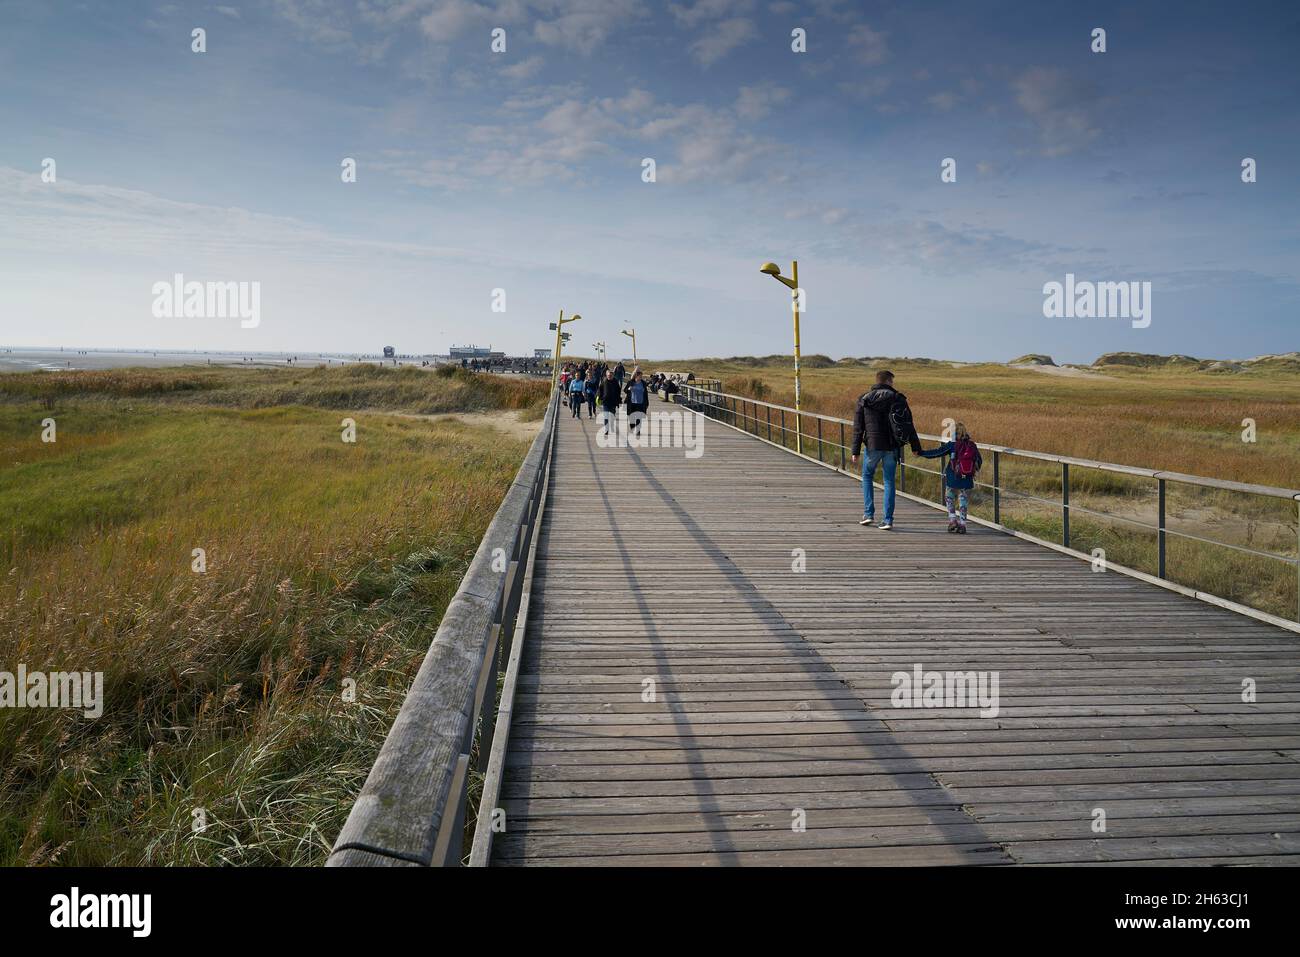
{"x":830,"y":436}
{"x":412,"y":808}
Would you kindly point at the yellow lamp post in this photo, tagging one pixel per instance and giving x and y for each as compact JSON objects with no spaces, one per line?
{"x":559,"y":344}
{"x":773,"y":270}
{"x":632,"y":333}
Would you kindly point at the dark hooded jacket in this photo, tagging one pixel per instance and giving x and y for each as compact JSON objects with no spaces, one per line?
{"x":610,"y":394}
{"x":871,"y":421}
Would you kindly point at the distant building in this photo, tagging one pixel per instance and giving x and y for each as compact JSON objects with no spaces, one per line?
{"x":470,"y":352}
{"x":389,"y":352}
{"x":541,"y":353}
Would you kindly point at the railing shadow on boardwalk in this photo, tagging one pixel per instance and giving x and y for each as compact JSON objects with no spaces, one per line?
{"x":967,"y":839}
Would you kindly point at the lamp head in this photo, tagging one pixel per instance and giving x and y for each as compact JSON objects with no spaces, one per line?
{"x":772,"y":269}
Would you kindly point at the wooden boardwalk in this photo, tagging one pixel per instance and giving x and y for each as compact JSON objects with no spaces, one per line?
{"x":771,"y":687}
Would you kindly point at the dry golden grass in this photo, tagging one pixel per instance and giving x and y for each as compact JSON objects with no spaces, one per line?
{"x":224,"y":691}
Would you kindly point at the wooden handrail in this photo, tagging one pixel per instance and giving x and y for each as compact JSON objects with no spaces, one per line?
{"x":1180,"y":477}
{"x":411,"y":808}
{"x":709,"y":400}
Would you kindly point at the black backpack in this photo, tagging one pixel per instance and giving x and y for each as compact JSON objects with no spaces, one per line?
{"x":900,"y":421}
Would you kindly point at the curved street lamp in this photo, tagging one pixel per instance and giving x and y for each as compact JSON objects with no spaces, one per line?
{"x":773,"y":270}
{"x":632,"y":333}
{"x":559,"y":343}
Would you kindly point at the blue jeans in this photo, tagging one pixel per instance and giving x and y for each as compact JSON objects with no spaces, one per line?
{"x":889,"y":462}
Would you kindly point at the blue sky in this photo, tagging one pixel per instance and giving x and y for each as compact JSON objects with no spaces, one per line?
{"x":522,"y":171}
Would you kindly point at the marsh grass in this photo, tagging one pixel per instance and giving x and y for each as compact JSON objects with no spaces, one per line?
{"x":224,"y":692}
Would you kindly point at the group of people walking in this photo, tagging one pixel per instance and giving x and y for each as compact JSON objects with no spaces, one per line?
{"x":590,"y":383}
{"x":882,"y":422}
{"x":882,"y":426}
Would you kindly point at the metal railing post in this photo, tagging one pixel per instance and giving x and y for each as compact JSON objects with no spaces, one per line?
{"x":1160,"y":530}
{"x":902,"y":472}
{"x":783,"y":445}
{"x":819,"y":439}
{"x":997,"y":491}
{"x":842,"y":447}
{"x":769,"y":423}
{"x":1065,"y":504}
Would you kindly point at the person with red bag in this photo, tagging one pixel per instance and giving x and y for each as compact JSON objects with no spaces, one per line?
{"x":959,"y":475}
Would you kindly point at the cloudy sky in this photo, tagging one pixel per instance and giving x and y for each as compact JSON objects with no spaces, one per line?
{"x":522,"y":171}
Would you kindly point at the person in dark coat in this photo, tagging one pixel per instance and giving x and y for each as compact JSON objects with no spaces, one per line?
{"x":610,"y":399}
{"x":882,"y":422}
{"x":589,"y":392}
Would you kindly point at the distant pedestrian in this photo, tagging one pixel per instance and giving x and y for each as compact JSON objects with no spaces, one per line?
{"x":638,"y":400}
{"x":590,"y":387}
{"x":883,"y":422}
{"x":619,"y":374}
{"x":577,"y":391}
{"x":958,"y":475}
{"x":609,"y":400}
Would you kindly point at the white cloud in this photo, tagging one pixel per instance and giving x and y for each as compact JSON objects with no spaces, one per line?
{"x":584,"y":25}
{"x":866,"y":89}
{"x":702,"y":10}
{"x":718,"y":39}
{"x":451,"y":18}
{"x":868,"y":45}
{"x":318,"y":20}
{"x":718,"y":156}
{"x":1060,"y":108}
{"x":524,"y":69}
{"x":755,"y":102}
{"x":943,"y":101}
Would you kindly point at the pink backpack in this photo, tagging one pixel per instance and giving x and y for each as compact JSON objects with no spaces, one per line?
{"x":964,"y":456}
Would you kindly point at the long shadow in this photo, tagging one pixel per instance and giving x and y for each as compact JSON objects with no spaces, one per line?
{"x":749,"y":594}
{"x":704,"y":793}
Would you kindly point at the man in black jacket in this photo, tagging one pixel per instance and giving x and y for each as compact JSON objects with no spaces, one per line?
{"x":882,"y":422}
{"x":610,"y":399}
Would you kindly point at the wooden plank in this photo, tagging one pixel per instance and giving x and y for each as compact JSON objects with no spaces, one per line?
{"x":772,"y":687}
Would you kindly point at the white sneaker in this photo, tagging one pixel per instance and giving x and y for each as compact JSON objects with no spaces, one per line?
{"x":866,"y":520}
{"x":886,"y":526}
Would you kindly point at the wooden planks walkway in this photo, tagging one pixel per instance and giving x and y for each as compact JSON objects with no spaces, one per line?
{"x":771,"y":702}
